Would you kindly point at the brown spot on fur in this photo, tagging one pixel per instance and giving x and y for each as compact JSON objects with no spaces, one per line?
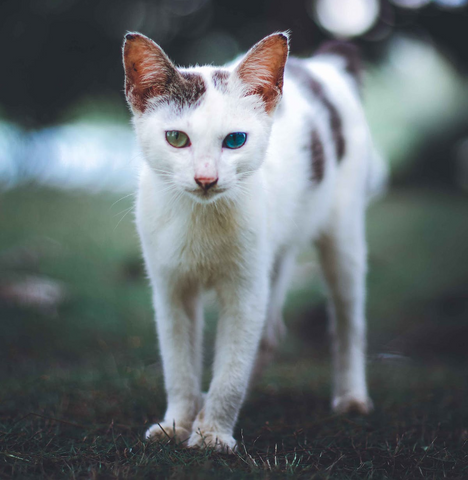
{"x":299,"y":70}
{"x":220,"y":79}
{"x":189,"y":92}
{"x":318,"y":157}
{"x":151,"y":76}
{"x":349,"y":52}
{"x":262,"y":69}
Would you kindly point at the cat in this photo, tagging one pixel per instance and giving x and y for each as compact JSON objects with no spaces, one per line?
{"x":244,"y":165}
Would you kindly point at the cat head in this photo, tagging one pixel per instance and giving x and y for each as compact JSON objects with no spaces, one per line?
{"x":204,"y":130}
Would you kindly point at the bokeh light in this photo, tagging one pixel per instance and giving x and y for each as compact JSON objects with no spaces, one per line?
{"x":346,"y":18}
{"x":451,"y":3}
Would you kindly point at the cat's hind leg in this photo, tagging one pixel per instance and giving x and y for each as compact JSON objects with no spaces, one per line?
{"x":275,"y":329}
{"x":342,"y":253}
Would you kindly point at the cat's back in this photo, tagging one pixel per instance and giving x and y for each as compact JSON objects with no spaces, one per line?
{"x":323,"y":100}
{"x":320,"y":141}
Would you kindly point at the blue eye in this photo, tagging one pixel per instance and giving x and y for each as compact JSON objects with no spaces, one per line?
{"x":235,"y":140}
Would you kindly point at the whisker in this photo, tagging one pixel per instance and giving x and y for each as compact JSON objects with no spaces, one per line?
{"x":126,"y":210}
{"x":120,"y":199}
{"x":125,"y":214}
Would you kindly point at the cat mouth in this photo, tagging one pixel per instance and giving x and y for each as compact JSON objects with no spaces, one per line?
{"x":206,"y":195}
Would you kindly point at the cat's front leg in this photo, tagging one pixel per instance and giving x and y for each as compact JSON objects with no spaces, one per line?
{"x":179,"y":320}
{"x":239,"y":331}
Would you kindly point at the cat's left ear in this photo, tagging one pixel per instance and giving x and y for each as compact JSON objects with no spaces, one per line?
{"x":262,"y":69}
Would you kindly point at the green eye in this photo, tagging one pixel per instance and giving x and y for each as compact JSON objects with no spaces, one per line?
{"x":235,"y":140}
{"x":177,"y":139}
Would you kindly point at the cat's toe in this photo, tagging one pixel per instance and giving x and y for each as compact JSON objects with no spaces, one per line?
{"x":352,"y":404}
{"x":164,"y":432}
{"x":219,"y":442}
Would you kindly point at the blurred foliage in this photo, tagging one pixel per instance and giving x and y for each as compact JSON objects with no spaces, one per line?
{"x":59,"y":52}
{"x":94,"y":254}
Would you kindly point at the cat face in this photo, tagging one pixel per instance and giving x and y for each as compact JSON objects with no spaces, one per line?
{"x":204,"y":130}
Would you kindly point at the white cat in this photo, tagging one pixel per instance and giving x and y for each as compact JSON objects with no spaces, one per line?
{"x":244,"y":165}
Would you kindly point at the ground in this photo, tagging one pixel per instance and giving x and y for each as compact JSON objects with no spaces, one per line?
{"x":81,"y":380}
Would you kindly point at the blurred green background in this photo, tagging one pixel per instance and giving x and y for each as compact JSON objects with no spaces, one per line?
{"x":72,"y":286}
{"x":77,"y":336}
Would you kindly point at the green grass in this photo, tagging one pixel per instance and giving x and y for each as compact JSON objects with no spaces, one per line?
{"x":92,"y":425}
{"x":80,"y":241}
{"x":81,"y":382}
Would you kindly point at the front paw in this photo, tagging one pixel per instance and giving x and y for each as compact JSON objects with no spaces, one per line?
{"x":219,"y":442}
{"x":164,"y":432}
{"x":349,"y":403}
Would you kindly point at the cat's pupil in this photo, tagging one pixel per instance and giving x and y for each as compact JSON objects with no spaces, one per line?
{"x":235,"y":140}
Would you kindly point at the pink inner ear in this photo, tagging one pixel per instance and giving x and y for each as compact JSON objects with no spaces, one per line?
{"x":147,"y":70}
{"x":263,"y":69}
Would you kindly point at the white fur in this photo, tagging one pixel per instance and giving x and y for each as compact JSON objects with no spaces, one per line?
{"x":242,"y":241}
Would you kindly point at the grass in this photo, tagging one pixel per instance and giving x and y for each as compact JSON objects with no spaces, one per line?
{"x":81,"y":381}
{"x":92,"y":425}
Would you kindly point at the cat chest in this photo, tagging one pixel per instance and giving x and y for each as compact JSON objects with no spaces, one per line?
{"x":202,"y":247}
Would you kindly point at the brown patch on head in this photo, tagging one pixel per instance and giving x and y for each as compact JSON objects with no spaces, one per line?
{"x":220,"y":79}
{"x":318,"y":157}
{"x":188,"y":92}
{"x":149,"y":74}
{"x":300,"y":71}
{"x":262,"y":69}
{"x":349,"y":52}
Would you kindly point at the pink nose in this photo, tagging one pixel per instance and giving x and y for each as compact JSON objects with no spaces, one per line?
{"x":206,"y":182}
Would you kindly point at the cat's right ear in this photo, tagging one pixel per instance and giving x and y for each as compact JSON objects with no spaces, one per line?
{"x":262,"y":69}
{"x":148,"y":70}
